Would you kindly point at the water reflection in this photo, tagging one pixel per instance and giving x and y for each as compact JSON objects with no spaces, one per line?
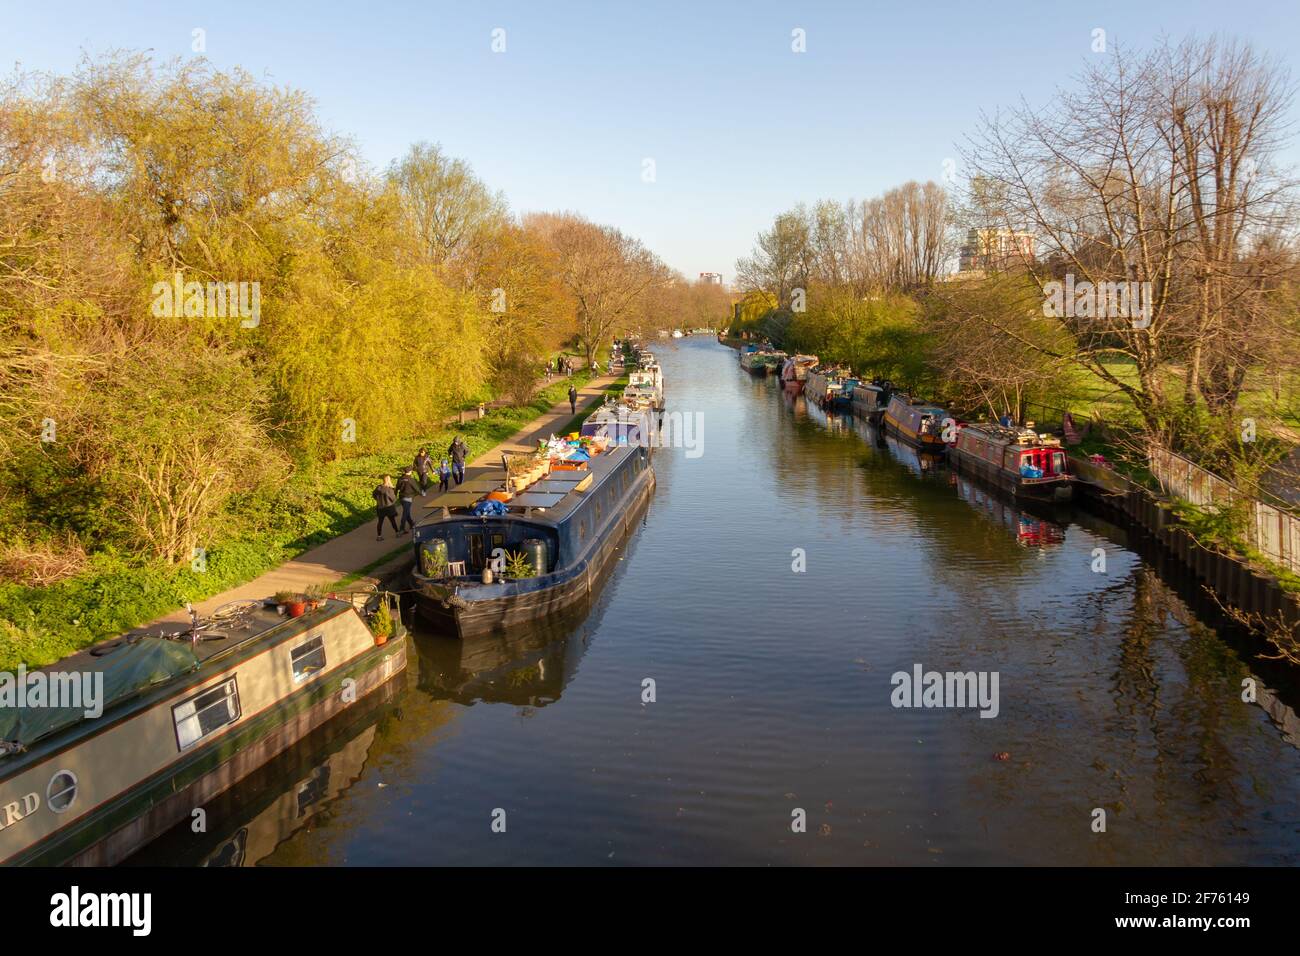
{"x":247,"y":824}
{"x":528,"y":667}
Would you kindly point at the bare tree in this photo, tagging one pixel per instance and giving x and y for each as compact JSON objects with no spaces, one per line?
{"x":607,"y":273}
{"x":1150,"y":180}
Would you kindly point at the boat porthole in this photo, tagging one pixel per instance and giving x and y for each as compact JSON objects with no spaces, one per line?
{"x":62,"y":791}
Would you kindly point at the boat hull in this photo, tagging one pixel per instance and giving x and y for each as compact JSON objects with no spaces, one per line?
{"x":933,"y":444}
{"x":1059,"y":489}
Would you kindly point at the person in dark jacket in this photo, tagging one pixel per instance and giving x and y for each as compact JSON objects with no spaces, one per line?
{"x":458,"y":450}
{"x":423,"y":466}
{"x":385,"y":496}
{"x":444,"y":476}
{"x":408,"y":489}
{"x":573,"y":400}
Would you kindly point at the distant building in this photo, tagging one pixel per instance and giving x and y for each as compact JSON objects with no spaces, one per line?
{"x":713,"y":278}
{"x":993,"y":249}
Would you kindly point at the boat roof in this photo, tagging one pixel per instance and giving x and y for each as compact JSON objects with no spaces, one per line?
{"x":549,"y":500}
{"x":1011,"y":434}
{"x":142,"y":660}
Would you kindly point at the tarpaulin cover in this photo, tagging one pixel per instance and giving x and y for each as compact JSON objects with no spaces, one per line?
{"x":491,"y":508}
{"x":127,"y":670}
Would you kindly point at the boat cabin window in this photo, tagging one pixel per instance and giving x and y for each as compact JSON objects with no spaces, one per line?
{"x":61,"y":791}
{"x":308,"y":658}
{"x":1058,"y":462}
{"x":205,"y":713}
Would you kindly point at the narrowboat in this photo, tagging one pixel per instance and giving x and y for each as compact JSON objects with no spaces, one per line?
{"x":620,"y":423}
{"x":568,"y":526}
{"x":1018,"y":460}
{"x":645,"y":386}
{"x":870,"y":399}
{"x":916,"y":423}
{"x":830,"y":388}
{"x":794,"y":372}
{"x":179,"y":719}
{"x":761,"y":361}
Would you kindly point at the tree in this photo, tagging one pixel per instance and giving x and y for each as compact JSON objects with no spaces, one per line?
{"x":452,"y":218}
{"x":1154,"y":178}
{"x":607,"y":273}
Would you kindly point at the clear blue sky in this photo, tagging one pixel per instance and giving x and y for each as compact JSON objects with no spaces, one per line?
{"x":739,"y":126}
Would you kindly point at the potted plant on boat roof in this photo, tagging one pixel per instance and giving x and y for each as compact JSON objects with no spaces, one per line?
{"x":293,"y":602}
{"x":314,"y":595}
{"x":381,"y":623}
{"x":282,"y":599}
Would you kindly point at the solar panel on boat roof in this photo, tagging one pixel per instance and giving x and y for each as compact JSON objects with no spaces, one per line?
{"x":549,"y":486}
{"x":536,"y":499}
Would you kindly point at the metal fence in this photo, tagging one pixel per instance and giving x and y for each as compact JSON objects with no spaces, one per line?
{"x":1272,"y":531}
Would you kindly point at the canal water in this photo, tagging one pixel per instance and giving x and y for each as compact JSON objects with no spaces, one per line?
{"x":773,"y":698}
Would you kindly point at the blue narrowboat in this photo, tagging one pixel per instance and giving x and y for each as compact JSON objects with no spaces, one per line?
{"x":569,"y":526}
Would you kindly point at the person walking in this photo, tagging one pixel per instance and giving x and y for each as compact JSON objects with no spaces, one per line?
{"x":385,"y":496}
{"x":573,"y":400}
{"x":444,"y":476}
{"x":458,"y":450}
{"x":408,"y":490}
{"x":423,"y":466}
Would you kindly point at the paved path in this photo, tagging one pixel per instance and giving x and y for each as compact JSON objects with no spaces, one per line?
{"x":357,"y":549}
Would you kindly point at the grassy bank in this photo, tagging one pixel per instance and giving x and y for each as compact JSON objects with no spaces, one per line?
{"x":118,"y":591}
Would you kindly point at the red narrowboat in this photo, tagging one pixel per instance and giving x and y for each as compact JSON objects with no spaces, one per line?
{"x":1019,"y":460}
{"x":794,"y":372}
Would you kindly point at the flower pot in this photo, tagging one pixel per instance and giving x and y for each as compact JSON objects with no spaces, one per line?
{"x":296,"y":608}
{"x":381,"y":639}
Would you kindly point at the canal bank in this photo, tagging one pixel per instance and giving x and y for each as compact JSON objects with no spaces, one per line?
{"x":734,"y":677}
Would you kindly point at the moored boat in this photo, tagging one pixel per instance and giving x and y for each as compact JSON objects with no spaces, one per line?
{"x":1015,"y":459}
{"x":830,"y":388}
{"x":181,"y":719}
{"x":497,"y":559}
{"x":762,"y":361}
{"x":870,"y":399}
{"x":916,"y":423}
{"x":645,"y":387}
{"x":794,"y":372}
